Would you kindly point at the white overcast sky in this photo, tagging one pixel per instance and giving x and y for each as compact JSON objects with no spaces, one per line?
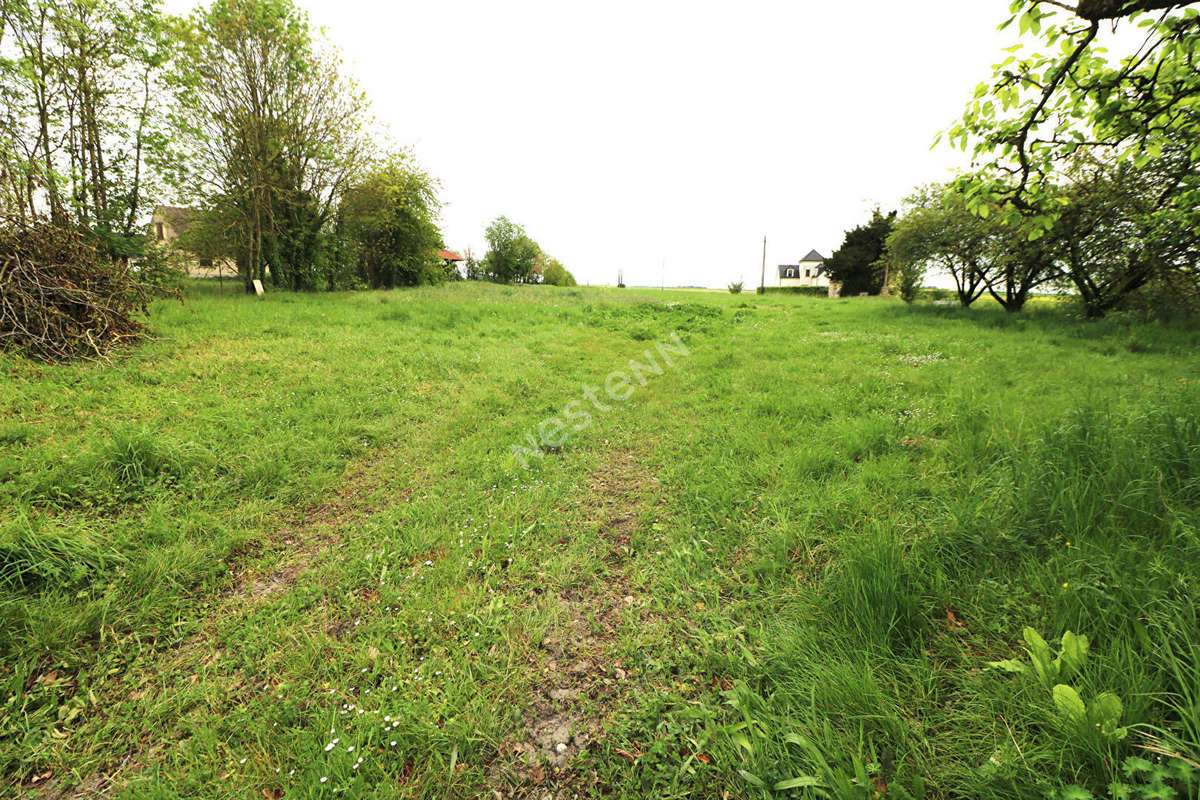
{"x":622,"y":134}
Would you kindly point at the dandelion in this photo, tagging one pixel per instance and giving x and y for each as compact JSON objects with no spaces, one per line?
{"x":1065,"y":585}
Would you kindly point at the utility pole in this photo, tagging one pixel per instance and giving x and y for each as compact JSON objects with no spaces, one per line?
{"x":762,"y":285}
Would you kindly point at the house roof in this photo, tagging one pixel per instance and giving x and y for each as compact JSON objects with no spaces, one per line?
{"x":180,"y":219}
{"x":449,"y":255}
{"x":813,"y":255}
{"x":783,"y":268}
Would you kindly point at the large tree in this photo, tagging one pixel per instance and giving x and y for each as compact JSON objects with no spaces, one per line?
{"x":1113,"y":237}
{"x":858,"y":264}
{"x":1057,"y":122}
{"x":512,"y":255}
{"x":271,"y":131}
{"x":389,"y":222}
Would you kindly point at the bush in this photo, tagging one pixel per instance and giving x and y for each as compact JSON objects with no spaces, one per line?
{"x":555,"y":274}
{"x":811,"y":291}
{"x":1165,"y":296}
{"x":160,"y":266}
{"x":62,"y":297}
{"x":735,"y":287}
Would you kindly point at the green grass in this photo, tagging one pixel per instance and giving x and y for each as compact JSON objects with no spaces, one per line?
{"x":294,"y":520}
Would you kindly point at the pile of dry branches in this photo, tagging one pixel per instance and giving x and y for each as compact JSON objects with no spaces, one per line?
{"x":62,"y":297}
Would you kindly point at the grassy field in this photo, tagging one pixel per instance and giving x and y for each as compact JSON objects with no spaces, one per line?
{"x":287,"y":550}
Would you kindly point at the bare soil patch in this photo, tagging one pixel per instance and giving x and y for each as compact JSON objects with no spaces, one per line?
{"x":583,"y":679}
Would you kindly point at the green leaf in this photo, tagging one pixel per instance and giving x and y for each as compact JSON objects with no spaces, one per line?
{"x":1074,"y":653}
{"x":751,"y":778}
{"x":1037,"y":645}
{"x":1076,"y":793}
{"x":1039,"y":651}
{"x":796,"y":783}
{"x":1010,"y":665}
{"x":741,"y":741}
{"x":1105,"y":710}
{"x":1069,"y":704}
{"x":1136,"y":764}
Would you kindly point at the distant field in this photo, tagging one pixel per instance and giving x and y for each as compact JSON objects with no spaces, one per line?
{"x":286,"y":550}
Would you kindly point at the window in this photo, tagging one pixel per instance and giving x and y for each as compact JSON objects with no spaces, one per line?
{"x":206,"y":262}
{"x":158,"y":230}
{"x":791,"y":273}
{"x":808,"y":273}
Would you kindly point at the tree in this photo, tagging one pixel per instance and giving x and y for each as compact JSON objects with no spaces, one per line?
{"x":1019,"y":265}
{"x":270,"y":131}
{"x":512,"y":255}
{"x":907,"y":254}
{"x":472,"y":268}
{"x":390,"y":221}
{"x":1113,"y":238}
{"x":555,"y":274}
{"x":937,"y":229}
{"x":1042,"y":109}
{"x":80,"y":89}
{"x":857,"y":264}
{"x":1052,"y":127}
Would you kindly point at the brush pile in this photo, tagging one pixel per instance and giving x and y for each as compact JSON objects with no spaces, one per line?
{"x":62,"y":296}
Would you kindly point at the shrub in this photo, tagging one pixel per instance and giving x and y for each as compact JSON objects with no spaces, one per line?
{"x":160,"y":266}
{"x":735,"y":287}
{"x":555,"y":274}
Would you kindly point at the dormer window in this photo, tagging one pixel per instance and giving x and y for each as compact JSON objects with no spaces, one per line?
{"x":791,"y":273}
